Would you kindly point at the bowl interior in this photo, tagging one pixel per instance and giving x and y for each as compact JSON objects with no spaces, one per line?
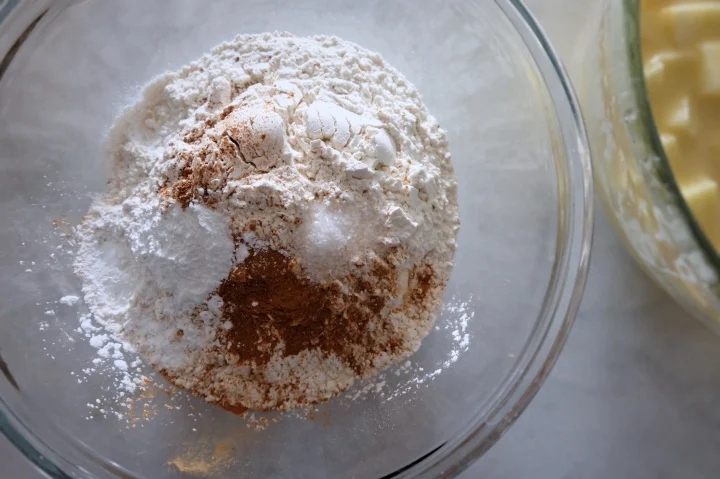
{"x":83,"y":61}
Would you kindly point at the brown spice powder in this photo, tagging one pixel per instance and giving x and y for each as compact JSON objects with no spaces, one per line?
{"x":204,"y":171}
{"x":196,"y":179}
{"x":268,"y":302}
{"x":273,"y":307}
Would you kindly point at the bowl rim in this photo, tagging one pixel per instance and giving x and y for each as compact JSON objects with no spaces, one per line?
{"x":570,"y":269}
{"x":560,"y":306}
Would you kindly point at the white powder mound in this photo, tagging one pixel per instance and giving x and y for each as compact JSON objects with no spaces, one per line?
{"x":313,"y":147}
{"x":146,"y":268}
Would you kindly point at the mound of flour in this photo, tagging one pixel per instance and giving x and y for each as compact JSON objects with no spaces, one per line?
{"x":313,"y":147}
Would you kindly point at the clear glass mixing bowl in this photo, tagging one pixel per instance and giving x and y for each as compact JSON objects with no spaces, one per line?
{"x":490,"y":77}
{"x":632,"y":173}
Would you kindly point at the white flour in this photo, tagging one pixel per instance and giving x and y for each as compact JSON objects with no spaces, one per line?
{"x":310,"y":146}
{"x":69,"y":300}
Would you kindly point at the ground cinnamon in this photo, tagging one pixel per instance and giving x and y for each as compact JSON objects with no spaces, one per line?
{"x":269,"y":302}
{"x":273,"y":308}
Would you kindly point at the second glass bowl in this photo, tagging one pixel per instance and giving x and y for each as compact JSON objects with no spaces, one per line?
{"x":632,"y":173}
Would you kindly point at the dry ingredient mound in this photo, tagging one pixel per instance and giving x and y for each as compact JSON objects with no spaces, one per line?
{"x":280,"y":220}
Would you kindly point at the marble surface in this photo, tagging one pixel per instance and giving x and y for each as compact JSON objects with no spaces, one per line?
{"x":633,"y":395}
{"x":635,"y":391}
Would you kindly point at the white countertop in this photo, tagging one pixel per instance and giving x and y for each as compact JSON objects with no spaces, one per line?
{"x":635,"y":391}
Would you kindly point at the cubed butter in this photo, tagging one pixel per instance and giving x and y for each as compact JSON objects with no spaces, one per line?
{"x":669,"y":65}
{"x":701,"y":193}
{"x":692,"y":22}
{"x":703,"y":197}
{"x":710,"y":68}
{"x":680,"y":118}
{"x":654,"y":70}
{"x":670,"y":145}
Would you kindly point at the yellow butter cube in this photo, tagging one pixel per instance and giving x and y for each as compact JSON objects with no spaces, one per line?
{"x":701,"y":193}
{"x":680,"y":118}
{"x":692,"y":22}
{"x":703,"y":197}
{"x":670,"y":145}
{"x":654,"y":72}
{"x":710,"y":68}
{"x":669,"y":66}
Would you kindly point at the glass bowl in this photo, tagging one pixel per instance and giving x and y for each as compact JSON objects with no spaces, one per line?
{"x":486,"y":72}
{"x":632,"y":173}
